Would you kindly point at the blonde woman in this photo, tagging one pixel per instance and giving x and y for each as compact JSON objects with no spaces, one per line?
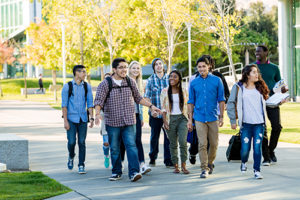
{"x":135,"y":72}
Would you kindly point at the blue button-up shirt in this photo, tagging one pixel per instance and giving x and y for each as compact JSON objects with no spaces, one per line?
{"x":205,"y":93}
{"x":76,"y":105}
{"x":154,"y":87}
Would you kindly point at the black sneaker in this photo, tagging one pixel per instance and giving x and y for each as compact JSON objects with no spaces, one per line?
{"x":152,"y":163}
{"x":266,"y":163}
{"x":273,"y":158}
{"x":115,"y":177}
{"x":211,"y":168}
{"x":169,"y":164}
{"x":70,"y":163}
{"x":204,"y":174}
{"x":192,"y":159}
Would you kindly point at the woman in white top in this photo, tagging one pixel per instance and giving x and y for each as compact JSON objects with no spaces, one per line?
{"x":174,"y":107}
{"x":247,"y":104}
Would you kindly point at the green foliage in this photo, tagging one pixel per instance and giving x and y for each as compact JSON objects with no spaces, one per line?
{"x":29,"y":185}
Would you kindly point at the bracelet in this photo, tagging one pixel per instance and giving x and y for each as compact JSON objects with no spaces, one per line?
{"x":92,"y":118}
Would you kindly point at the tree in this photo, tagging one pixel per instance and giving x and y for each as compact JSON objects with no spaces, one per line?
{"x":6,"y":52}
{"x":223,"y":22}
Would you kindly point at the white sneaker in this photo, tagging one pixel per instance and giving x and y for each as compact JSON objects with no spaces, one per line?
{"x":258,"y":175}
{"x":136,"y":177}
{"x":145,"y":169}
{"x":243,"y":167}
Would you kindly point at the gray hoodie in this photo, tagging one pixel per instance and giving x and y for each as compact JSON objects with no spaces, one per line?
{"x":235,"y":105}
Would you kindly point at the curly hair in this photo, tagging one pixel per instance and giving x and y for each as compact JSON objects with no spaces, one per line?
{"x":260,"y":85}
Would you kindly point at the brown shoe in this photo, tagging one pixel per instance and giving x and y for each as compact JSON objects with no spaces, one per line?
{"x":183,"y":168}
{"x":176,"y":170}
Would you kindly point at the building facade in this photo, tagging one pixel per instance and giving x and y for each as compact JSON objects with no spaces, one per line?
{"x":289,"y":44}
{"x":15,"y":17}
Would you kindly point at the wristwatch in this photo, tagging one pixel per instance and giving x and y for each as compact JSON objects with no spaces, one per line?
{"x":92,"y":118}
{"x":150,"y":106}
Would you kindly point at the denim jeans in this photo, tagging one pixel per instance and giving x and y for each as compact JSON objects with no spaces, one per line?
{"x":105,"y":148}
{"x":128,"y":135}
{"x":249,"y":131}
{"x":81,"y":129}
{"x":156,"y":126}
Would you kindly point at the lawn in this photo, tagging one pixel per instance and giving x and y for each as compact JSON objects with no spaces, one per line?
{"x":290,"y":112}
{"x":29,"y":185}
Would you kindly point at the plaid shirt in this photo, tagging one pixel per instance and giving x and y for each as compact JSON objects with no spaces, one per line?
{"x":154,"y":87}
{"x":119,"y":109}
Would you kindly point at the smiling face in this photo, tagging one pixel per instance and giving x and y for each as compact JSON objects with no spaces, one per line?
{"x":121,"y":69}
{"x":253,"y":75}
{"x":260,"y":54}
{"x":81,"y":73}
{"x":135,"y":70}
{"x":159,"y":66}
{"x":174,"y":79}
{"x":203,"y":68}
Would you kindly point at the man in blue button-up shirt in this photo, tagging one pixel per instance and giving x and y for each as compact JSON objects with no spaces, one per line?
{"x":206,"y":91}
{"x":75,"y":114}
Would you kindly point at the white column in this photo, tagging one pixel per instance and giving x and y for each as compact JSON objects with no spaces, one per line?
{"x":247,"y":57}
{"x":5,"y":70}
{"x":63,"y":53}
{"x":29,"y":70}
{"x":98,"y":71}
{"x":189,"y":25}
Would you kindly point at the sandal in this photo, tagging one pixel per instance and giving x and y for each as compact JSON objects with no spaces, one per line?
{"x":176,"y":170}
{"x":183,"y":169}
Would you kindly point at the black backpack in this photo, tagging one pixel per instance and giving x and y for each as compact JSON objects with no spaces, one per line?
{"x":70,"y":93}
{"x":110,"y":86}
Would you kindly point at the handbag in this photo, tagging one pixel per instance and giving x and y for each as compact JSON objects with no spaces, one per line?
{"x":234,"y":148}
{"x":192,"y":137}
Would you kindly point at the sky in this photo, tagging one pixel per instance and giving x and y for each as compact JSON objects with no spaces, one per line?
{"x":245,"y":3}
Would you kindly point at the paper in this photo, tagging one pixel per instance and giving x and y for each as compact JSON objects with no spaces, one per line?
{"x":276,"y":98}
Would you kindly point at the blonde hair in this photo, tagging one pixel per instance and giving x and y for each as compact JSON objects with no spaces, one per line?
{"x":139,"y":78}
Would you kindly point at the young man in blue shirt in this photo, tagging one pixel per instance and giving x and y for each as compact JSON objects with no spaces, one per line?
{"x":75,"y":114}
{"x":205,"y":92}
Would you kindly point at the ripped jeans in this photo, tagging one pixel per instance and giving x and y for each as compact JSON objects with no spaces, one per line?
{"x":249,"y":131}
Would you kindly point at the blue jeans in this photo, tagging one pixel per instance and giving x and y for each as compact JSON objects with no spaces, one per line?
{"x":127,"y":134}
{"x":81,"y":129}
{"x":105,"y":148}
{"x":249,"y":131}
{"x":156,"y":126}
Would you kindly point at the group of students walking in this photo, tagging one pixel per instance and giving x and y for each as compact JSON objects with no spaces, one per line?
{"x":118,"y":106}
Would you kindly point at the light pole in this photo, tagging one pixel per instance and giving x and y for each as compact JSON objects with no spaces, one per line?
{"x":189,"y":25}
{"x":63,"y":28}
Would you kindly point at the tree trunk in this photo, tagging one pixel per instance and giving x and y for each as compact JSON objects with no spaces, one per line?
{"x":54,"y":84}
{"x":88,"y":77}
{"x":102,"y":72}
{"x":25,"y":81}
{"x":229,"y":54}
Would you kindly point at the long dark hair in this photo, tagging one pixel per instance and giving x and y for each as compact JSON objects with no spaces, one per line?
{"x":181,"y":100}
{"x":260,"y":85}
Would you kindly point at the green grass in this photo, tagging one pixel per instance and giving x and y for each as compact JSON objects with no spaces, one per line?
{"x":29,"y":185}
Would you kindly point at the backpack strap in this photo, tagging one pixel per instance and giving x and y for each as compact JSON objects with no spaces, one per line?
{"x":85,"y":90}
{"x":109,"y":80}
{"x":129,"y":84}
{"x":70,"y":93}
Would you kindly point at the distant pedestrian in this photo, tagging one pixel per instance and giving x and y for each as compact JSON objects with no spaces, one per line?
{"x":76,"y":97}
{"x":174,"y":107}
{"x":205,"y":93}
{"x":247,"y":104}
{"x":41,"y":83}
{"x":117,"y":94}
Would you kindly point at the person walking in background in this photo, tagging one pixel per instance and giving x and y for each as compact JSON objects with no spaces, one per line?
{"x":135,"y":72}
{"x":41,"y":85}
{"x":76,"y":96}
{"x":174,"y":107}
{"x":193,"y":149}
{"x":247,"y":100}
{"x":205,"y":93}
{"x":117,"y":94}
{"x":270,"y":74}
{"x":155,"y":84}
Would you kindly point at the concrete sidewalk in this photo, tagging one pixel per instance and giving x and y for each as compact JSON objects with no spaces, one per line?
{"x":43,"y":127}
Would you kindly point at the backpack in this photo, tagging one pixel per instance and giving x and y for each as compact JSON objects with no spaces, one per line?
{"x":110,"y":86}
{"x":70,"y":93}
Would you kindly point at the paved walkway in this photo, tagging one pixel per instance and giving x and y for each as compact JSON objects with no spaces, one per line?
{"x":43,"y":127}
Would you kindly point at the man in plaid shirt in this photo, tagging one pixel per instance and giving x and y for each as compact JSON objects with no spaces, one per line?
{"x":156,"y":83}
{"x":120,"y":120}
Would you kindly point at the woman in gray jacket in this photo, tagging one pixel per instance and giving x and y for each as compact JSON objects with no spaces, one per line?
{"x":247,"y":104}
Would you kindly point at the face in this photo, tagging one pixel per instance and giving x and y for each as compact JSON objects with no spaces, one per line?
{"x":135,"y":70}
{"x":81,"y":74}
{"x":159,"y":66}
{"x":174,"y":79}
{"x":253,"y":76}
{"x":203,"y":68}
{"x":121,"y":69}
{"x":260,"y":54}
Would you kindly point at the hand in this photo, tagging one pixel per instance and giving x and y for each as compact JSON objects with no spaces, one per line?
{"x":221,"y":122}
{"x":155,"y":109}
{"x":166,"y":125}
{"x":154,"y":114}
{"x":91,"y":123}
{"x":190,"y":125}
{"x":142,"y":123}
{"x":97,"y":119}
{"x":283,"y":101}
{"x":233,"y":126}
{"x":66,"y":125}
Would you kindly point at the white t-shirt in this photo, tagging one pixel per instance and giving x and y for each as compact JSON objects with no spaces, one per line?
{"x":118,"y":82}
{"x":252,"y":107}
{"x":176,"y":108}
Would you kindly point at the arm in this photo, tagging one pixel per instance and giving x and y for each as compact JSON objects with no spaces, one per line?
{"x":148,"y":91}
{"x":65,"y":116}
{"x":190,"y":115}
{"x":153,"y":108}
{"x":166,"y":124}
{"x":101,"y":94}
{"x":231,"y":106}
{"x":90,"y":105}
{"x":222,"y":107}
{"x":64,"y":105}
{"x":97,"y":116}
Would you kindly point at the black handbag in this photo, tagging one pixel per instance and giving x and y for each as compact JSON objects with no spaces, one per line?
{"x":234,"y":148}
